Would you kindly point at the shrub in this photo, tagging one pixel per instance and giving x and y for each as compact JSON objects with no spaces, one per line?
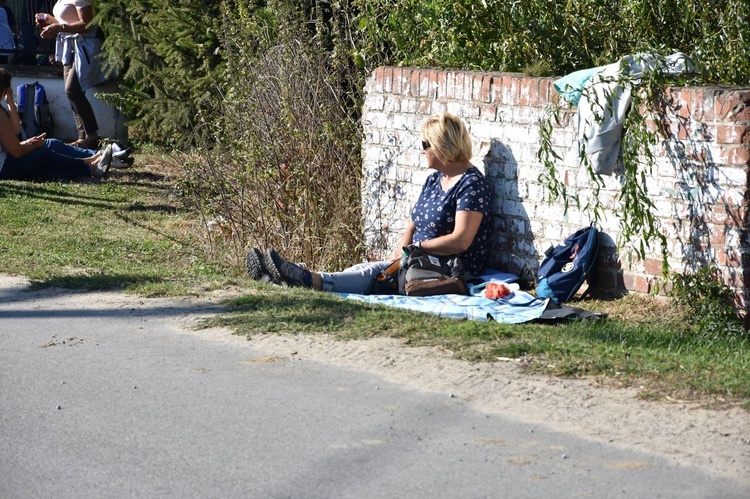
{"x":284,"y":171}
{"x":507,"y":35}
{"x":709,"y":303}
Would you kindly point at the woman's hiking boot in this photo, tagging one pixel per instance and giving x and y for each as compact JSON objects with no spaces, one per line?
{"x":286,"y":271}
{"x":256,"y":268}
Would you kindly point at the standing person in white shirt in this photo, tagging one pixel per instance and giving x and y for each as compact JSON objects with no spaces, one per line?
{"x":77,"y":44}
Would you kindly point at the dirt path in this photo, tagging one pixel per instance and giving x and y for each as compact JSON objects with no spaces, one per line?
{"x":717,"y":440}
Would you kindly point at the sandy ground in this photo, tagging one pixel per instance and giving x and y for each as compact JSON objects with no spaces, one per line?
{"x":717,"y":440}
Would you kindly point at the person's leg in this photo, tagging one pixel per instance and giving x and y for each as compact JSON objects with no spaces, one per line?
{"x":359,"y":279}
{"x":67,"y":70}
{"x":82,"y":111}
{"x":43,"y":164}
{"x":60,"y":147}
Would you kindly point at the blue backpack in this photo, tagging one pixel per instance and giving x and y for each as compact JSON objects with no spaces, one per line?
{"x":567,"y":265}
{"x":33,"y":109}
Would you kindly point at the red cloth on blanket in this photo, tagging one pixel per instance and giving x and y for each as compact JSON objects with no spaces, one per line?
{"x":496,"y":290}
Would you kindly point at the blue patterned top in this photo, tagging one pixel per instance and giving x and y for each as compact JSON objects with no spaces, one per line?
{"x":434,"y":215}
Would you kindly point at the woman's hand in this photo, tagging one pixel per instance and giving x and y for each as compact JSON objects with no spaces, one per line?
{"x":50,"y":31}
{"x":36,"y":141}
{"x":42,"y":19}
{"x":406,"y":239}
{"x":396,"y":255}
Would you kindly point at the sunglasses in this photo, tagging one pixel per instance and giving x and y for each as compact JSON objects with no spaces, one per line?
{"x":425,"y":145}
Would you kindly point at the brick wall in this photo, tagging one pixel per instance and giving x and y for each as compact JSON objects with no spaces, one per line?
{"x":699,"y":186}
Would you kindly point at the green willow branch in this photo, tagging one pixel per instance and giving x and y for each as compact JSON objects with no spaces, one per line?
{"x":640,"y":228}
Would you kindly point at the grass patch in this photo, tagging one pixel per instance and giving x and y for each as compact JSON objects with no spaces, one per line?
{"x":129,"y":232}
{"x":644,"y":342}
{"x":133,"y":232}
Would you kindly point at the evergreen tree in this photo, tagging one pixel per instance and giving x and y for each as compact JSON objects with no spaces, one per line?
{"x":166,"y":53}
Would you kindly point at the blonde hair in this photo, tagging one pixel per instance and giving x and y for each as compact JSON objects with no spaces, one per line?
{"x":448,"y":137}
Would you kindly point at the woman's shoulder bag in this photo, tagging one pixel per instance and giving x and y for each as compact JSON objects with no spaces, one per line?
{"x":422,"y":274}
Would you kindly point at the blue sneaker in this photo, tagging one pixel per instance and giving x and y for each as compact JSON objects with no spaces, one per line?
{"x":286,"y":271}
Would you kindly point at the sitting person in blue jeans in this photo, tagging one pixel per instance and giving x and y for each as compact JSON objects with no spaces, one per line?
{"x":451,"y":217}
{"x":39,"y":158}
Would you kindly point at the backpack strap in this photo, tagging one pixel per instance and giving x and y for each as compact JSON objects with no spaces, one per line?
{"x":39,"y":101}
{"x":40,"y":97}
{"x":21,"y":93}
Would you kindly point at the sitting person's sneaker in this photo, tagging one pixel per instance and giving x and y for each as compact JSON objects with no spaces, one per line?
{"x":102,"y":168}
{"x":256,"y":269}
{"x":286,"y":271}
{"x":119,"y":151}
{"x":119,"y":163}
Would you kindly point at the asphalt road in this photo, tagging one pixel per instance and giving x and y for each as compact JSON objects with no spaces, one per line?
{"x":103,"y":398}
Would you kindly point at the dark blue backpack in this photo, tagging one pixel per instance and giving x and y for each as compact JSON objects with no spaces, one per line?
{"x":33,"y":109}
{"x":567,"y":265}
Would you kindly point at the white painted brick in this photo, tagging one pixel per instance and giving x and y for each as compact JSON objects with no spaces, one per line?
{"x":548,"y":212}
{"x":733,"y":238}
{"x":374,"y":102}
{"x":406,"y":122}
{"x":525,"y":115}
{"x":409,"y":106}
{"x":562,"y":137}
{"x":375,"y":120}
{"x":517,"y":227}
{"x":392,"y":105}
{"x":525,"y":247}
{"x":581,"y":176}
{"x":504,"y":115}
{"x":391,"y":138}
{"x":455,"y":108}
{"x":732,"y":176}
{"x":469,"y":112}
{"x":514,"y":209}
{"x":665,"y":169}
{"x":524,"y":134}
{"x":439,"y":106}
{"x":372,"y":136}
{"x":537,"y":229}
{"x":371,"y":153}
{"x":555,"y":231}
{"x":535,"y":193}
{"x":489,"y":113}
{"x":665,"y":208}
{"x":484,"y":131}
{"x":734,"y":196}
{"x":569,"y":155}
{"x":653,"y":185}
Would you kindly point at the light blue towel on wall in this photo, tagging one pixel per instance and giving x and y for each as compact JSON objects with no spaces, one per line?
{"x":569,"y":86}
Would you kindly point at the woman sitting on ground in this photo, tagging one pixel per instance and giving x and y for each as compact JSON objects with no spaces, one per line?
{"x":39,"y":158}
{"x":451,"y":217}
